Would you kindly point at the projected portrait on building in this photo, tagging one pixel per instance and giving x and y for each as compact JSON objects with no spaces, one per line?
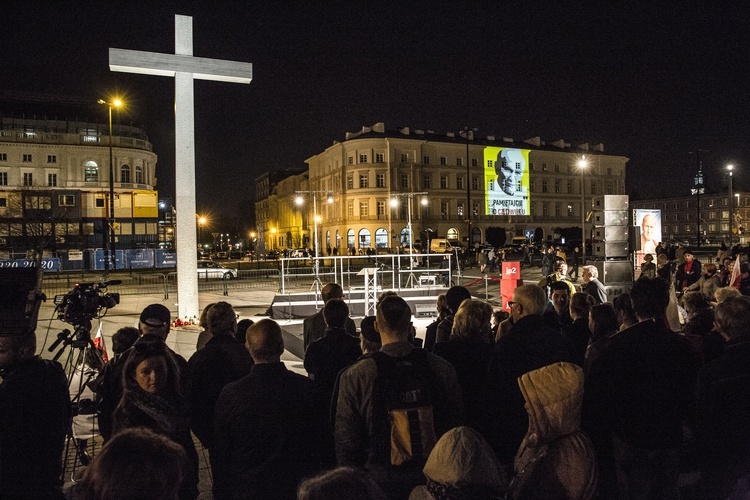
{"x":506,"y":181}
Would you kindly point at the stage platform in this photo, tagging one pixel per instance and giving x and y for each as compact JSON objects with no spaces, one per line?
{"x":290,"y":309}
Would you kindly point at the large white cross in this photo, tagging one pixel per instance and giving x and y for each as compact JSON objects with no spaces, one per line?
{"x":184,"y":68}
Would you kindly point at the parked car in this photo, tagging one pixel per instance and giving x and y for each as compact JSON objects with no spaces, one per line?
{"x":299,"y":252}
{"x":272,"y":254}
{"x":211,"y":269}
{"x":222,"y":255}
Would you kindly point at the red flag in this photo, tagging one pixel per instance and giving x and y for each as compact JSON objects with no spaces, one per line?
{"x":734,"y":280}
{"x":99,"y":344}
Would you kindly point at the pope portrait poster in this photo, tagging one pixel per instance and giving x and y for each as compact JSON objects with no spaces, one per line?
{"x":648,"y":232}
{"x":506,"y":180}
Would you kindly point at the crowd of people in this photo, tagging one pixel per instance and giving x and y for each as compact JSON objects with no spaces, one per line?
{"x":566,"y":395}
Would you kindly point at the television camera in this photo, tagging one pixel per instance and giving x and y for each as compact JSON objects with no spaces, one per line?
{"x":86,"y":302}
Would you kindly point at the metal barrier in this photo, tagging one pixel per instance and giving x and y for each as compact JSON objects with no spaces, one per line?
{"x":395,"y":271}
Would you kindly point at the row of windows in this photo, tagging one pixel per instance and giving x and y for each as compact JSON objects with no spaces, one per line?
{"x":28,"y":158}
{"x":45,"y":202}
{"x":91,"y":174}
{"x":380,"y":158}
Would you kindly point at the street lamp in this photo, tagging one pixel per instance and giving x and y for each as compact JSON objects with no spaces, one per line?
{"x":730,"y":167}
{"x":582,"y":166}
{"x":394,"y":203}
{"x":111,"y":222}
{"x":299,"y":200}
{"x":201,"y":222}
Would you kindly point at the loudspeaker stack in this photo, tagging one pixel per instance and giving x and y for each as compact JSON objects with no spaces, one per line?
{"x":610,"y":243}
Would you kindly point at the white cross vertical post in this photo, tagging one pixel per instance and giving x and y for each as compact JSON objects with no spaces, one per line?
{"x":184,"y":68}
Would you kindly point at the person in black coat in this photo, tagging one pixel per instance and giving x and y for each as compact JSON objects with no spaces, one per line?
{"x":469,"y":350}
{"x":152,"y":398}
{"x":529,"y":345}
{"x":265,"y":425}
{"x":723,"y":403}
{"x":638,"y":395}
{"x":688,"y":272}
{"x":578,"y":332}
{"x":34,"y":416}
{"x":223,"y":360}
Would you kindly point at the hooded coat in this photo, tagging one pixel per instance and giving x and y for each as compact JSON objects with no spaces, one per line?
{"x":555,"y":459}
{"x":461,"y":466}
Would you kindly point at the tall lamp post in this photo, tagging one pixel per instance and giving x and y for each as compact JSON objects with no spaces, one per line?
{"x":730,"y":168}
{"x":111,"y":220}
{"x":394,"y":203}
{"x":582,"y":166}
{"x":299,"y":200}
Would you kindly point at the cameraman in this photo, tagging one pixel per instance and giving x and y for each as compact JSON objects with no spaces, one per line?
{"x":34,"y":417}
{"x":154,"y":327}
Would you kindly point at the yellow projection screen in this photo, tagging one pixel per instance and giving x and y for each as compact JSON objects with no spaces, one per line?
{"x":506,"y":181}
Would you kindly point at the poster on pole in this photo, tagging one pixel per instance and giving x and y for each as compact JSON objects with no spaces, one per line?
{"x":648,"y":233}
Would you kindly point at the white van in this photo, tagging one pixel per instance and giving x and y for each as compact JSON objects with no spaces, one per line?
{"x":442,"y":245}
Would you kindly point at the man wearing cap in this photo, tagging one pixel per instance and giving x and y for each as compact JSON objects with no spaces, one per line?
{"x":688,"y":272}
{"x":154,"y":327}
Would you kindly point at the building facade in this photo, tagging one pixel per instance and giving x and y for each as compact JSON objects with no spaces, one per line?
{"x":680,"y":217}
{"x":54,"y":186}
{"x":368,"y":188}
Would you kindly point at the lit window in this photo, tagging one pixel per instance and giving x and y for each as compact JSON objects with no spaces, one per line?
{"x":91,"y":172}
{"x":350,"y":182}
{"x":364,"y":209}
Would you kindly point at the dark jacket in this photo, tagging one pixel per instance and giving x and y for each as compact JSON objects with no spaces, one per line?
{"x":683,"y":278}
{"x":265,"y":434}
{"x":34,"y":414}
{"x":643,"y":387}
{"x":595,"y":288}
{"x":314,"y":327}
{"x":579,"y":335}
{"x":529,"y":345}
{"x":722,"y":424}
{"x":470,"y":358}
{"x":223,"y":359}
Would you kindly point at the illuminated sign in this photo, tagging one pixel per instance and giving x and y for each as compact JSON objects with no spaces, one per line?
{"x":506,"y":181}
{"x":647,"y":232}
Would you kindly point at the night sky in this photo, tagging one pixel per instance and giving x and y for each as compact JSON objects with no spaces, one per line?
{"x":650,"y":82}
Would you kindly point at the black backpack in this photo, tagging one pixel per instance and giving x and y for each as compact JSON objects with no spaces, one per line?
{"x":407,"y":405}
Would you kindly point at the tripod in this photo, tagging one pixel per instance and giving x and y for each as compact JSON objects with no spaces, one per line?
{"x":83,"y":363}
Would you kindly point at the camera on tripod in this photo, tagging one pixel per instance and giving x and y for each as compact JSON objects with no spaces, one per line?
{"x":86,"y":302}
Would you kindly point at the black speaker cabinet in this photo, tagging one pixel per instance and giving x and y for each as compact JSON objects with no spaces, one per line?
{"x":611,"y":233}
{"x":607,"y":250}
{"x":611,"y":202}
{"x":602,"y":218}
{"x":614,"y":271}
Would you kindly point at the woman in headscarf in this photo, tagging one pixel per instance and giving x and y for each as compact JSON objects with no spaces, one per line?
{"x":151,"y":398}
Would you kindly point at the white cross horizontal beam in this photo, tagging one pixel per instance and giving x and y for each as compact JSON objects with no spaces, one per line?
{"x":155,"y":63}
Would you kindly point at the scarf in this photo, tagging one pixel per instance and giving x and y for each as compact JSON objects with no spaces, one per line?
{"x":169,"y":416}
